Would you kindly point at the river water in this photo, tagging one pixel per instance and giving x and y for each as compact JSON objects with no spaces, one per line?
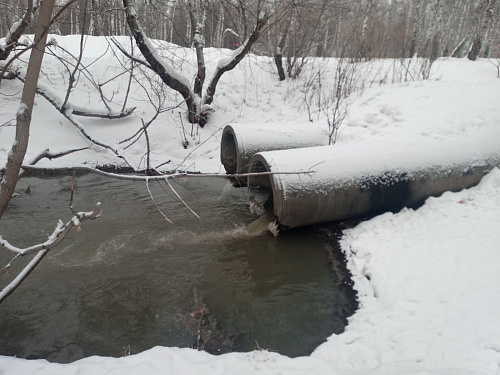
{"x":128,"y":278}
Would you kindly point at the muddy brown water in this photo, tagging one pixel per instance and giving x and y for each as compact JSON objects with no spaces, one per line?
{"x":127,"y":278}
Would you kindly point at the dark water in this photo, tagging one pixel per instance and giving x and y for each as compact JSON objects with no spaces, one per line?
{"x":128,"y":277}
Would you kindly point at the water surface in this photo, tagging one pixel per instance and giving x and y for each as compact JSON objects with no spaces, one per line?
{"x":127,"y":278}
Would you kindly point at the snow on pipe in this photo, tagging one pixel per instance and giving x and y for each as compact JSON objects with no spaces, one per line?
{"x":363,"y":179}
{"x":241,"y":141}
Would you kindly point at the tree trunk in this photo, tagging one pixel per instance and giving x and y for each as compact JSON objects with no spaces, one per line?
{"x":95,"y":19}
{"x":168,"y":76}
{"x":198,"y":108}
{"x":240,"y":54}
{"x":18,"y":151}
{"x":198,"y":43}
{"x":15,"y":34}
{"x":475,"y":49}
{"x":486,"y":14}
{"x":278,"y":57}
{"x":365,"y":49}
{"x":416,"y":30}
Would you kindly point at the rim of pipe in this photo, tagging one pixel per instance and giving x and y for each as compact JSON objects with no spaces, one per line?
{"x":270,"y":183}
{"x":230,"y":156}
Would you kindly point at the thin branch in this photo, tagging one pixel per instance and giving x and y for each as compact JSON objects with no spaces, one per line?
{"x":182,"y":200}
{"x":76,"y":110}
{"x":9,"y":289}
{"x":98,"y":86}
{"x":162,"y":164}
{"x":73,"y":187}
{"x":9,"y":63}
{"x":110,"y":116}
{"x":47,"y":154}
{"x":130,"y":76}
{"x":157,"y":207}
{"x":57,"y":236}
{"x":70,"y":117}
{"x":134,"y":59}
{"x":148,"y":148}
{"x":71,"y":83}
{"x":8,"y":123}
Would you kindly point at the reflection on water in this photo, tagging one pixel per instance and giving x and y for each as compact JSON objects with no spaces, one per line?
{"x":128,"y":277}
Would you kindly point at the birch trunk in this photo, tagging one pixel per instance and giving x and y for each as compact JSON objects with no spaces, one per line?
{"x":18,"y":151}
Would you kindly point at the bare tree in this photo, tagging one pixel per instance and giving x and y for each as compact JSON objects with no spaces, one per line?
{"x":486,"y":16}
{"x":15,"y":33}
{"x":23,"y":118}
{"x":198,"y":103}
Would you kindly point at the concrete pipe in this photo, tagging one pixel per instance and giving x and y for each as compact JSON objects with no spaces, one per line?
{"x":241,"y":141}
{"x":362,"y":179}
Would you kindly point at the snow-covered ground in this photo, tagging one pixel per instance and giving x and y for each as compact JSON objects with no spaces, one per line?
{"x":427,"y":279}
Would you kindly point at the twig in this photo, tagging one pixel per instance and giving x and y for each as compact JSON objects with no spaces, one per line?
{"x":198,"y":146}
{"x":73,"y":185}
{"x":7,"y":123}
{"x":135,"y":59}
{"x":7,"y":291}
{"x":75,"y":109}
{"x":69,"y":116}
{"x":72,"y":75}
{"x":148,"y":149}
{"x":130,"y":76}
{"x":9,"y":63}
{"x":185,"y":142}
{"x":157,"y":207}
{"x":47,"y":154}
{"x":199,"y":339}
{"x":57,"y":236}
{"x":162,"y":164}
{"x":110,"y":116}
{"x":178,"y":196}
{"x":42,"y":249}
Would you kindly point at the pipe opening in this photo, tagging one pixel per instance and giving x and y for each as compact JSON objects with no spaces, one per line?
{"x":228,"y":151}
{"x":260,"y":190}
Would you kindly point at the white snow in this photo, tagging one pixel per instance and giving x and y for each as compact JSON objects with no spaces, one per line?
{"x":13,"y":29}
{"x":22,"y":108}
{"x":427,"y":279}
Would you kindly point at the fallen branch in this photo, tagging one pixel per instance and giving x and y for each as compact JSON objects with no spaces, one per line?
{"x":47,"y":154}
{"x":110,"y":116}
{"x":160,"y":177}
{"x":69,"y":114}
{"x":75,"y":109}
{"x":42,"y":249}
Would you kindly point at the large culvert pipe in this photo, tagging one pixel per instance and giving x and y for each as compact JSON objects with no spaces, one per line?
{"x":241,"y":141}
{"x":355,"y":180}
